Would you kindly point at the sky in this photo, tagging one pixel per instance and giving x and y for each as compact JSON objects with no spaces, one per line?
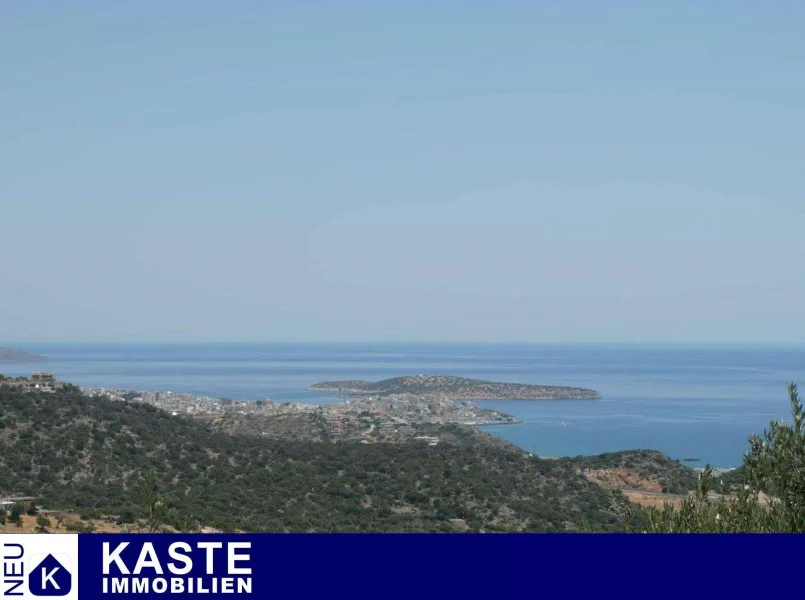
{"x":577,"y":171}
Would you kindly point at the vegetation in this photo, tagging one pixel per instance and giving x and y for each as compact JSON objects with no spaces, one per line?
{"x":770,"y":497}
{"x":134,"y":462}
{"x":143,"y":466}
{"x":311,"y":427}
{"x":303,"y":427}
{"x":731,"y":479}
{"x":16,"y":515}
{"x":43,"y":523}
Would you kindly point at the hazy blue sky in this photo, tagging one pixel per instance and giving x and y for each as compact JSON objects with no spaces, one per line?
{"x":535,"y":171}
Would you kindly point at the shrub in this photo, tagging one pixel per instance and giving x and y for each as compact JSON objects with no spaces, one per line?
{"x":16,"y":514}
{"x":770,"y":497}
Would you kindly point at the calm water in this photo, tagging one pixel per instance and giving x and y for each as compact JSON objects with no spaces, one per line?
{"x":688,"y":402}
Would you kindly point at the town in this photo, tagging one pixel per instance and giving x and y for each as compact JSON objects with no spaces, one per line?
{"x":365,"y":417}
{"x":345,"y":419}
{"x":368,"y":418}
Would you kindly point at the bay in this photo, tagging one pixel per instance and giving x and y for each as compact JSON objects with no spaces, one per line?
{"x":691,"y":402}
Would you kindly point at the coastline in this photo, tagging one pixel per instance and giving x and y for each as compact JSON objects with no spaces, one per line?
{"x":179,"y":403}
{"x":662,"y":404}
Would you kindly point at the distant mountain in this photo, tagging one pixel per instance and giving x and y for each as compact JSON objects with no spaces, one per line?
{"x":17,"y":355}
{"x":459,"y":388}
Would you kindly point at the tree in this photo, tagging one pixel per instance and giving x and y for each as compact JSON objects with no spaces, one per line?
{"x":188,"y":524}
{"x":126,"y":516}
{"x":776,"y":465}
{"x":770,"y":498}
{"x":155,"y":504}
{"x":16,"y":515}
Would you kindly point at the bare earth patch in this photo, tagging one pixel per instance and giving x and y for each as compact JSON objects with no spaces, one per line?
{"x":639,"y":489}
{"x":653,"y":499}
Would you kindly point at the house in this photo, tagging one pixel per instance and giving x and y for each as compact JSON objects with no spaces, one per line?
{"x":37,"y":382}
{"x":42,"y":382}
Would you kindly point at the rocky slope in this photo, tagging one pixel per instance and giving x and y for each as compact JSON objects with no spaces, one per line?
{"x":644,"y":470}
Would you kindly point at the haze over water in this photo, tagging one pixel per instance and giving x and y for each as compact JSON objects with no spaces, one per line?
{"x":690,"y":402}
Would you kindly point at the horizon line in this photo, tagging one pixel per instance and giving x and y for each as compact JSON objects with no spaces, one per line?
{"x":687,"y":343}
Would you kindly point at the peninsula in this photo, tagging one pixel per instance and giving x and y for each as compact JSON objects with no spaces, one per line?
{"x":455,"y":388}
{"x":17,"y":355}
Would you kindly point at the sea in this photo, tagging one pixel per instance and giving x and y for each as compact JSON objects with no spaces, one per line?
{"x":698,"y":404}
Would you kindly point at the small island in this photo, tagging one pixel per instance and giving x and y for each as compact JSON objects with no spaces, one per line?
{"x":456,"y":388}
{"x":17,"y":355}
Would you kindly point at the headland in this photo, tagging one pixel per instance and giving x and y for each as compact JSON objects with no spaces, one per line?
{"x":17,"y":355}
{"x":455,"y":388}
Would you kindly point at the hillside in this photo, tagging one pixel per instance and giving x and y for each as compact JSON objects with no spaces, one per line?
{"x":310,"y":428}
{"x":90,"y":455}
{"x":17,"y":355}
{"x":645,"y":470}
{"x":458,"y":388}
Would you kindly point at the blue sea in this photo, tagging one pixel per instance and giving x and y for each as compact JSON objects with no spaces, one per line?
{"x":689,"y":402}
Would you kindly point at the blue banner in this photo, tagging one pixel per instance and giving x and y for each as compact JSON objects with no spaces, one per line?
{"x":90,"y":566}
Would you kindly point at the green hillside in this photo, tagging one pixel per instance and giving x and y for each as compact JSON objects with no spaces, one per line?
{"x":89,"y":454}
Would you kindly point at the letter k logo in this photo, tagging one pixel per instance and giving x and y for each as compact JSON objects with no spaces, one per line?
{"x":50,"y":578}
